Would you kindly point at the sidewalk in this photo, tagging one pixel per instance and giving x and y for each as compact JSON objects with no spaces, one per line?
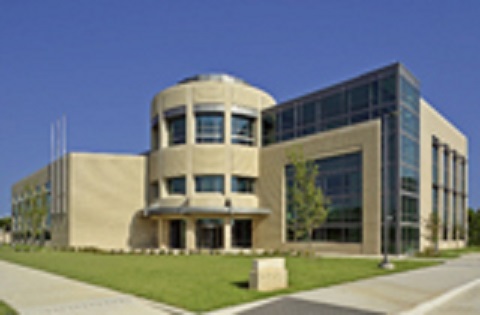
{"x":414,"y":292}
{"x":34,"y":292}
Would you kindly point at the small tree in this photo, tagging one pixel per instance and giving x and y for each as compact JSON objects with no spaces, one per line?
{"x":434,"y":225}
{"x":306,"y":199}
{"x":38,"y":215}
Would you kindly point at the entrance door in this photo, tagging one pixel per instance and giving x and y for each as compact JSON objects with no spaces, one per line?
{"x":242,"y":233}
{"x":209,"y":233}
{"x":177,"y":234}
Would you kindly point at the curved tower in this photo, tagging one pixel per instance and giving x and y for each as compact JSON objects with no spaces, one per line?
{"x":204,"y":159}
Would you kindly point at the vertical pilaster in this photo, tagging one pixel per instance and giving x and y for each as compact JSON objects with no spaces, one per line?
{"x":227,"y":234}
{"x":190,"y":234}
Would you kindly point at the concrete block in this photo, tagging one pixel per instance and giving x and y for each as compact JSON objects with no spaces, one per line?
{"x":268,"y":274}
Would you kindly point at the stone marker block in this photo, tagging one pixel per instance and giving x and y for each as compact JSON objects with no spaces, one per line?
{"x":268,"y":274}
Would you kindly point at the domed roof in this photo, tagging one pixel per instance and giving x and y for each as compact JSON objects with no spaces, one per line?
{"x":217,"y":77}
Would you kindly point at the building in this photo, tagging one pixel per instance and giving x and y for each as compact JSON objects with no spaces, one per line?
{"x":217,"y":172}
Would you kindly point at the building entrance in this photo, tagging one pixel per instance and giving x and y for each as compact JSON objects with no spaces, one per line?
{"x":209,"y":233}
{"x":177,"y":234}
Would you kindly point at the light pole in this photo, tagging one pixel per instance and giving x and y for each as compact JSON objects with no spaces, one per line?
{"x":385,"y":264}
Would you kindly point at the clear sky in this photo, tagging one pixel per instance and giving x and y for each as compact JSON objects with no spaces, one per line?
{"x":100,"y":62}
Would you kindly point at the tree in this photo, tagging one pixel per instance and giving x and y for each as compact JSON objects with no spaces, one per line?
{"x":473,"y":227}
{"x":6,"y":223}
{"x":306,"y":199}
{"x":434,"y":225}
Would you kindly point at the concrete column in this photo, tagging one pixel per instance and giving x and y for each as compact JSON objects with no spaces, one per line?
{"x":227,"y":234}
{"x":160,"y":233}
{"x":190,"y":234}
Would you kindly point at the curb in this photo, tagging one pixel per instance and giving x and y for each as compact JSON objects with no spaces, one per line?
{"x":441,"y":299}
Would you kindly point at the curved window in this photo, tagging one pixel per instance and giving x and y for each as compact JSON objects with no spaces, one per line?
{"x":209,"y":183}
{"x":242,"y":130}
{"x":242,"y":184}
{"x":176,"y":130}
{"x":209,"y":128}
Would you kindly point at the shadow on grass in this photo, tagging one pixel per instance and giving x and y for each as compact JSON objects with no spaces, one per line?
{"x":241,"y":284}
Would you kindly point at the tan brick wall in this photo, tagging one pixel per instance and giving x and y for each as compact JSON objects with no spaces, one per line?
{"x":363,"y":138}
{"x":106,"y":194}
{"x":434,"y":124}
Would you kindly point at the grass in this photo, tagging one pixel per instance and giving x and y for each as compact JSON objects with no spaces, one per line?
{"x":455,"y":253}
{"x":450,"y":253}
{"x":6,"y":310}
{"x":198,"y":282}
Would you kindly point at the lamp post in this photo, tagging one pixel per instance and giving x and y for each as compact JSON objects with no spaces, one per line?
{"x":386,"y":264}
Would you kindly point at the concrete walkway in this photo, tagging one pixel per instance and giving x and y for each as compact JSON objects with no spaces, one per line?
{"x":415,"y":292}
{"x":35,"y":292}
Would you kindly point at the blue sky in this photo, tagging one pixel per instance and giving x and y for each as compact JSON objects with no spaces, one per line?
{"x":101,"y":62}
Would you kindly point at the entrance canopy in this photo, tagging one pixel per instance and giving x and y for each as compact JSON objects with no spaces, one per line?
{"x":159,"y":210}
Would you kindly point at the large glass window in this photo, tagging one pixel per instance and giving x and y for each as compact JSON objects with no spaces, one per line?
{"x":409,"y":122}
{"x":333,"y":106}
{"x":242,"y":130}
{"x":410,"y":152}
{"x":308,"y":118}
{"x":209,"y":183}
{"x":410,"y":94}
{"x":210,"y":128}
{"x":176,"y":185}
{"x":409,"y":209}
{"x":176,"y":130}
{"x":445,"y":215}
{"x":409,"y":179}
{"x":435,"y":200}
{"x":341,"y":181}
{"x":242,"y":233}
{"x":388,"y":89}
{"x":287,"y":123}
{"x":435,"y":164}
{"x":242,"y":184}
{"x":446,"y":179}
{"x":359,"y":98}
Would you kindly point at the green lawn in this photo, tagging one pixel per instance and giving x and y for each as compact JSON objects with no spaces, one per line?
{"x":199,"y":282}
{"x":454,"y":253}
{"x":6,"y":310}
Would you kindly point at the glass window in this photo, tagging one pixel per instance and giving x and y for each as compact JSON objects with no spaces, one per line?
{"x":242,"y":130}
{"x":333,"y":106}
{"x":409,"y":179}
{"x":209,"y":183}
{"x":176,"y":130}
{"x":410,"y":122}
{"x":445,"y":214}
{"x":288,"y":118}
{"x":176,"y":185}
{"x":242,"y":184}
{"x":446,"y":179}
{"x":308,"y":114}
{"x":268,"y":128}
{"x":435,"y":164}
{"x":155,"y":140}
{"x":374,"y":92}
{"x":409,"y":209}
{"x":210,"y":128}
{"x":435,"y":200}
{"x":359,"y":98}
{"x":410,"y":94}
{"x":388,"y":89}
{"x":410,"y":153}
{"x":340,"y":178}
